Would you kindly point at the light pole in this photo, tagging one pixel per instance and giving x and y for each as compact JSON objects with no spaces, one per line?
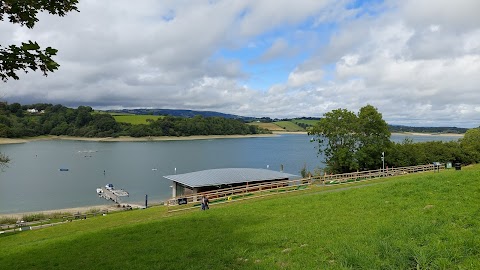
{"x":383,"y":163}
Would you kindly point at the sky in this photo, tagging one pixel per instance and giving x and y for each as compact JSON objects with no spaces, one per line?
{"x":416,"y":61}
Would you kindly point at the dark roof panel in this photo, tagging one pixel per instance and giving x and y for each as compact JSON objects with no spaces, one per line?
{"x":227,"y":176}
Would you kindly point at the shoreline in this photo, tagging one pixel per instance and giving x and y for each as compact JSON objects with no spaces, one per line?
{"x":290,"y":132}
{"x":73,"y":210}
{"x":393,"y":133}
{"x":131,"y":139}
{"x":186,"y":138}
{"x":429,"y":134}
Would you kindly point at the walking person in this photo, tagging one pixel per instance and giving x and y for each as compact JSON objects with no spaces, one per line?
{"x":205,"y":203}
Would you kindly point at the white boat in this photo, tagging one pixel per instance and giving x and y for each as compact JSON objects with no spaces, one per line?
{"x":99,"y":190}
{"x":109,"y":187}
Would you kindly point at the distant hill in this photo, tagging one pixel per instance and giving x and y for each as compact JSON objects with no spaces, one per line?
{"x":180,"y":113}
{"x":398,"y":128}
{"x":302,"y":122}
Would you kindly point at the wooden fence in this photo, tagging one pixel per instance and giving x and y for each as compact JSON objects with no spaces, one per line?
{"x":237,"y":193}
{"x":250,"y":191}
{"x":38,"y":224}
{"x":364,"y":175}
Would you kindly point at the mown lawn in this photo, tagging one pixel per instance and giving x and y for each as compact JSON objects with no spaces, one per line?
{"x":421,"y":221}
{"x":135,"y":119}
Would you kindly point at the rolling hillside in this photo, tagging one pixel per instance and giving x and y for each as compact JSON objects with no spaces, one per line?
{"x":422,"y":221}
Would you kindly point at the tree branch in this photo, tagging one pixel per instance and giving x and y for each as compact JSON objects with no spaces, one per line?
{"x":28,"y":56}
{"x":25,"y":12}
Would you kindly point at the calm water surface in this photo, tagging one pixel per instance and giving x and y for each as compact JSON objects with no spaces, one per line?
{"x":33,"y":181}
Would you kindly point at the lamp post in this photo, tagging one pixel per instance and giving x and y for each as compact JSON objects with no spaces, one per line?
{"x":383,"y":163}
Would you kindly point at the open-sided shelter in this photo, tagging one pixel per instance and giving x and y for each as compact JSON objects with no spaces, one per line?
{"x":208,"y":180}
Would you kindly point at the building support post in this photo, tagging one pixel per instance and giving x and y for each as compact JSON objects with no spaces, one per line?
{"x":174,"y":189}
{"x":195,"y":192}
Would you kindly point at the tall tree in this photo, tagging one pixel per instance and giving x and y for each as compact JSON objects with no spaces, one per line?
{"x":337,"y":136}
{"x":373,"y":136}
{"x":350,"y":142}
{"x":29,"y":55}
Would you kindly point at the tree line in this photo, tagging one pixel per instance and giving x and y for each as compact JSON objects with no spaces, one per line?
{"x":396,"y":128}
{"x":16,"y":122}
{"x":351,"y":142}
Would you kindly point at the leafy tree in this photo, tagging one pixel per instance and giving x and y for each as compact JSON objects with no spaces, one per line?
{"x":60,"y":129}
{"x":14,"y":107}
{"x":408,"y":153}
{"x":83,"y":116}
{"x":470,"y":143}
{"x":337,"y":136}
{"x":105,"y":123}
{"x":374,"y":138}
{"x":29,"y":55}
{"x":350,"y":142}
{"x":5,"y":120}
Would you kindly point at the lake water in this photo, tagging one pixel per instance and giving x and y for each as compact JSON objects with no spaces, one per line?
{"x":33,"y":182}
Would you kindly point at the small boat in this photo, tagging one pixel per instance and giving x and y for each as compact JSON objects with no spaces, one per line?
{"x":99,"y":191}
{"x":63,"y":169}
{"x":154,"y":169}
{"x":109,"y":187}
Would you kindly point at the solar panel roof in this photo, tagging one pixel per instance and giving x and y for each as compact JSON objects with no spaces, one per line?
{"x":215,"y":177}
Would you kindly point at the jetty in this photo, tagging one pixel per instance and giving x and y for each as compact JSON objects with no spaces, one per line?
{"x":110,"y":193}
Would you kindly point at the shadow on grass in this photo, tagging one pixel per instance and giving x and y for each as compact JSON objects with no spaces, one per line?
{"x":201,"y":240}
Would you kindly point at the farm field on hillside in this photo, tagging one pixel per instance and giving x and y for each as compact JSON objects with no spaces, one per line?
{"x":135,"y":119}
{"x":269,"y":126}
{"x":305,"y":121}
{"x":289,"y":126}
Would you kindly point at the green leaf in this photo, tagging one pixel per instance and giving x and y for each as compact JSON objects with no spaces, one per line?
{"x":31,"y":46}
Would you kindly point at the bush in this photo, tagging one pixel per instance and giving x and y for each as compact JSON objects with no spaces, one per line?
{"x":34,"y":217}
{"x":8,"y":220}
{"x":58,"y":215}
{"x":93,"y":211}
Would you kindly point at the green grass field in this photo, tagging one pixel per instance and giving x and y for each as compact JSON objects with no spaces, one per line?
{"x":418,"y":221}
{"x":135,"y":119}
{"x":289,"y":126}
{"x":305,"y":121}
{"x":269,"y":126}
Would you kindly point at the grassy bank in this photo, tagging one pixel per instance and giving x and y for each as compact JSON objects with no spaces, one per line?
{"x":423,"y":221}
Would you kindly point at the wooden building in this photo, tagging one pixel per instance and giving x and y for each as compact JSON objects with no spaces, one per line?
{"x":209,"y":180}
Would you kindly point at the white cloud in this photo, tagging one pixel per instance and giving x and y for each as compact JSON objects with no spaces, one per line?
{"x":279,"y":48}
{"x":457,"y":15}
{"x":416,"y":61}
{"x":261,"y":16}
{"x":299,"y":78}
